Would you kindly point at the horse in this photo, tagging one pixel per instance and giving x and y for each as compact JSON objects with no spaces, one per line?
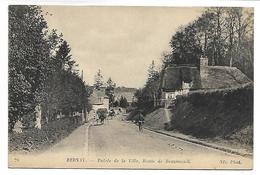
{"x":99,"y":118}
{"x":101,"y":115}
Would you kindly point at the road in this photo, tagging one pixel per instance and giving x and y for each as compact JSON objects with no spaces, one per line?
{"x":117,"y":139}
{"x":97,"y":145}
{"x":123,"y":138}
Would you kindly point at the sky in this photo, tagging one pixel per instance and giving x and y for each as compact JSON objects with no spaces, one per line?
{"x":120,"y":41}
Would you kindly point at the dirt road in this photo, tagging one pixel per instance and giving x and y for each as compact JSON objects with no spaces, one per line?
{"x":119,"y":144}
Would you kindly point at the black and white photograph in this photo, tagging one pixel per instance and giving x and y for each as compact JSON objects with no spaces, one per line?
{"x":130,"y":87}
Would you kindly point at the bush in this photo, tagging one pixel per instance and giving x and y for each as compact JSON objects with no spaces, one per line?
{"x":28,"y":120}
{"x":130,"y":109}
{"x":213,"y":113}
{"x":132,"y":116}
{"x":33,"y":139}
{"x":244,"y":135}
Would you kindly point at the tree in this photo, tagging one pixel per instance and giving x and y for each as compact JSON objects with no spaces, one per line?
{"x":64,"y":57}
{"x":205,"y":34}
{"x":98,"y":80}
{"x":185,"y":46}
{"x":42,"y":71}
{"x":116,"y":104}
{"x":152,"y":84}
{"x":62,"y":82}
{"x":123,"y":102}
{"x":144,"y":100}
{"x":148,"y":96}
{"x":28,"y":51}
{"x":218,"y":46}
{"x":166,"y":59}
{"x":152,"y":73}
{"x":109,"y":91}
{"x":224,"y":35}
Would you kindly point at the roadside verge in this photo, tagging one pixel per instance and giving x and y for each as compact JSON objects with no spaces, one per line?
{"x":203,"y":143}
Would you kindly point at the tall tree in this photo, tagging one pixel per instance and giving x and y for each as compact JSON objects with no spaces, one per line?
{"x":152,"y":84}
{"x":152,"y":73}
{"x":98,"y":80}
{"x":166,"y":59}
{"x":186,"y":48}
{"x":64,"y":57}
{"x":224,"y":35}
{"x":123,"y":102}
{"x":147,"y":97}
{"x":42,"y":71}
{"x":28,"y":50}
{"x":110,"y":90}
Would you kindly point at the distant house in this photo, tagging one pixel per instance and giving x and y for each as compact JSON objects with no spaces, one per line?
{"x":98,"y":99}
{"x":128,"y":93}
{"x":181,"y":79}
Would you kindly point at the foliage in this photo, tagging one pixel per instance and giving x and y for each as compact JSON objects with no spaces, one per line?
{"x":224,"y":35}
{"x":42,"y":70}
{"x":98,"y":80}
{"x":123,"y":102}
{"x":132,"y":116}
{"x":28,"y":50}
{"x":110,"y":91}
{"x":116,"y":103}
{"x":89,"y":91}
{"x":33,"y":139}
{"x":148,"y":96}
{"x":216,"y":113}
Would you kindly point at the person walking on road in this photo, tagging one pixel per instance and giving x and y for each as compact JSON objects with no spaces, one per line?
{"x":140,"y":121}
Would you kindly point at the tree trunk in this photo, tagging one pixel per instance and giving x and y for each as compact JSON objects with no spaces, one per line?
{"x":231,"y":35}
{"x":38,"y":117}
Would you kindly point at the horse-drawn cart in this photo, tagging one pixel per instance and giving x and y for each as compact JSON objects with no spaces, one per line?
{"x":100,"y":115}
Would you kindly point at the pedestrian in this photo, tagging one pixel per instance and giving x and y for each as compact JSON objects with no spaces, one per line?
{"x":140,"y":120}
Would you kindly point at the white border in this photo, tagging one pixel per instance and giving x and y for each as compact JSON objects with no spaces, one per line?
{"x":4,"y":85}
{"x":246,"y":3}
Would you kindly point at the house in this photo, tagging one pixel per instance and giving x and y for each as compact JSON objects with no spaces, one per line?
{"x":181,"y":79}
{"x":127,"y":95}
{"x":99,"y":99}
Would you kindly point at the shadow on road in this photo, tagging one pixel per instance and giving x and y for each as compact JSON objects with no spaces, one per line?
{"x":97,"y":124}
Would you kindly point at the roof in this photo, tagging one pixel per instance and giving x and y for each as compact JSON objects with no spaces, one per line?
{"x":97,"y":97}
{"x":223,"y":77}
{"x":174,"y":76}
{"x":217,"y":77}
{"x":128,"y":95}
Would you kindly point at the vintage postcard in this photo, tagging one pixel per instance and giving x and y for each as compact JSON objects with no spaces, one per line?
{"x":130,"y":87}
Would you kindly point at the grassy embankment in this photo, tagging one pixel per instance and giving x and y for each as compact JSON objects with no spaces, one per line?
{"x":37,"y":140}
